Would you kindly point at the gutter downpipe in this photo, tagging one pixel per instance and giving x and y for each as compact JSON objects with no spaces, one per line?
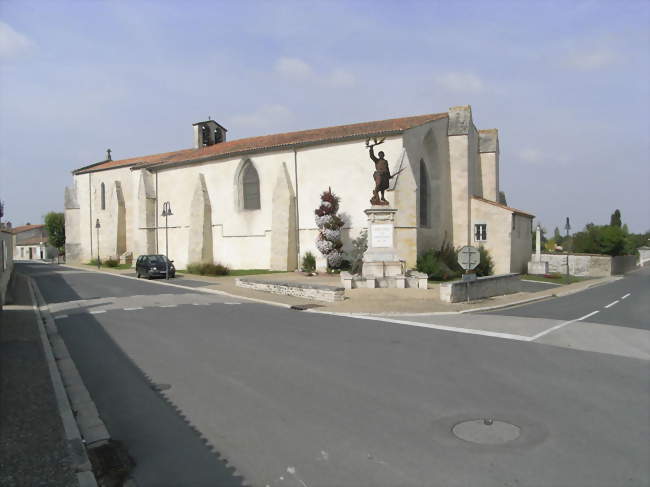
{"x":295,"y":175}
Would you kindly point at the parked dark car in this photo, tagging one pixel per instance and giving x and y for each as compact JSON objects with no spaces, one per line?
{"x":150,"y":266}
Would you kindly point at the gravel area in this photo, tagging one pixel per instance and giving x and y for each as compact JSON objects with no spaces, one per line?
{"x":33,"y":451}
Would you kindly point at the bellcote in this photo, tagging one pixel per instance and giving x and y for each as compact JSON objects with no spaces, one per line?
{"x":208,"y":133}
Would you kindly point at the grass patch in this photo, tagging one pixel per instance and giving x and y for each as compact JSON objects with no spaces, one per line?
{"x":555,"y":278}
{"x":234,"y":272}
{"x":250,"y":272}
{"x":109,"y":263}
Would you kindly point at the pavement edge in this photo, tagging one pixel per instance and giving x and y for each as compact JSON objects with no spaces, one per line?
{"x":75,"y":442}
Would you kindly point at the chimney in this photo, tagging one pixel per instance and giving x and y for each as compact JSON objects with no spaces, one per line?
{"x":208,"y":133}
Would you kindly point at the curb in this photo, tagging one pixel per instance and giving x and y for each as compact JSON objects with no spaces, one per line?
{"x":74,"y":441}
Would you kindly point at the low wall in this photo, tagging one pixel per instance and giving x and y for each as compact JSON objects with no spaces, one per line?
{"x":623,"y":263}
{"x":589,"y":265}
{"x":6,"y":264}
{"x":301,"y":290}
{"x":482,"y":287}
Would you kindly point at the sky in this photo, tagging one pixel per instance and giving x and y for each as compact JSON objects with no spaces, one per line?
{"x":566,"y":84}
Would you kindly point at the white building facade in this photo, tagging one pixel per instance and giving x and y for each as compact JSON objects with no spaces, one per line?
{"x":249,"y":203}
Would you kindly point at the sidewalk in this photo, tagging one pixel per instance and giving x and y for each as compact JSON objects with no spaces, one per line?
{"x":367,"y":301}
{"x":33,"y":449}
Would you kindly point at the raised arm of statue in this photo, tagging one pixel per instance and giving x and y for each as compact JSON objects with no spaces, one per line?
{"x":372,"y":155}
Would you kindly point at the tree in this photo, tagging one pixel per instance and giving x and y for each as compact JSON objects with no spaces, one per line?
{"x":615,"y":219}
{"x":601,"y":239}
{"x":55,"y":225}
{"x":502,"y":198}
{"x":329,"y":223}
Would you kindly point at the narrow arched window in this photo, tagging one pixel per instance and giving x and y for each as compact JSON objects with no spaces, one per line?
{"x":103,"y":196}
{"x":424,"y":195}
{"x":250,"y":188}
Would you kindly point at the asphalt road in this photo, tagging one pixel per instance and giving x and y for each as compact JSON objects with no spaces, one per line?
{"x":633,"y":311}
{"x":305,"y":399}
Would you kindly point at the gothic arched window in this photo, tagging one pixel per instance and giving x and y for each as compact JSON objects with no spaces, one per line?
{"x":424,"y":195}
{"x":250,"y":183}
{"x":103,"y":196}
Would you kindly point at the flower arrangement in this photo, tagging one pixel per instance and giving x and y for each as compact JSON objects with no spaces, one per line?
{"x":329,"y":224}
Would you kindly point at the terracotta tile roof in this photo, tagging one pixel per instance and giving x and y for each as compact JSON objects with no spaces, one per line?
{"x":24,"y":228}
{"x":269,"y":142}
{"x":494,"y":203}
{"x":32,"y":241}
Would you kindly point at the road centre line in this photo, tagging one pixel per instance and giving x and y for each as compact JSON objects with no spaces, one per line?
{"x":97,"y":311}
{"x":612,"y":304}
{"x":623,"y":297}
{"x":561,"y":325}
{"x":60,"y":317}
{"x":131,"y":309}
{"x":168,"y":305}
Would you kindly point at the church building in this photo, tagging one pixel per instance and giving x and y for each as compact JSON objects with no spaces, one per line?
{"x":249,"y":203}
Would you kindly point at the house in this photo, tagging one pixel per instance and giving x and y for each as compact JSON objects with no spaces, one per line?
{"x":31,"y":242}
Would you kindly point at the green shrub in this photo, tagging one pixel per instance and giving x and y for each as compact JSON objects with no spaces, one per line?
{"x":111,"y":262}
{"x":441,"y":264}
{"x":308,"y":262}
{"x":359,"y":247}
{"x":208,"y":269}
{"x":486,"y":266}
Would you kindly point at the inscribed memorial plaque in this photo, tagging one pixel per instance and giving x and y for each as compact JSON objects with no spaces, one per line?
{"x":382,"y":235}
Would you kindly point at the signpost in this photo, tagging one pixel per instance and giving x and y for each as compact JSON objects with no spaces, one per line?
{"x":469,"y":258}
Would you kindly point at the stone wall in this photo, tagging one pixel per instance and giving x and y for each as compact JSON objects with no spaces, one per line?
{"x":623,"y":263}
{"x":482,"y":287}
{"x":301,"y":290}
{"x":589,"y":265}
{"x":644,"y":255}
{"x":6,"y":263}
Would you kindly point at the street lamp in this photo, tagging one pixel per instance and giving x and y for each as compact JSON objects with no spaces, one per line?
{"x":98,"y":226}
{"x":567,"y":227}
{"x":167,"y":211}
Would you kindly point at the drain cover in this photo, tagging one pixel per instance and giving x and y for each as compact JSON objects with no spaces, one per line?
{"x":486,"y":431}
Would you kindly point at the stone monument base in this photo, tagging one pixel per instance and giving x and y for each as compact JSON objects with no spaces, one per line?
{"x":409,"y":279}
{"x":537,"y":267}
{"x":382,"y":267}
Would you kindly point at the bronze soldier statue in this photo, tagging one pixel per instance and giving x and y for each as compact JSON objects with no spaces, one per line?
{"x":381,"y":175}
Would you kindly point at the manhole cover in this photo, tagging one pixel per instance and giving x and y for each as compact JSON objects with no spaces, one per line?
{"x":486,"y":431}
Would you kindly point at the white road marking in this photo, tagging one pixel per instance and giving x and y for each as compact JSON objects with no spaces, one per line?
{"x":419,"y":324}
{"x":623,"y":297}
{"x":541,"y":282}
{"x":200,"y":304}
{"x":561,"y":325}
{"x":231,"y":303}
{"x":97,"y":311}
{"x":168,"y":305}
{"x":60,"y":317}
{"x":612,"y":304}
{"x":133,"y":309}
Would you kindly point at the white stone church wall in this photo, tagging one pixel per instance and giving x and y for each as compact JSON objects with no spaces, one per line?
{"x":347,"y":168}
